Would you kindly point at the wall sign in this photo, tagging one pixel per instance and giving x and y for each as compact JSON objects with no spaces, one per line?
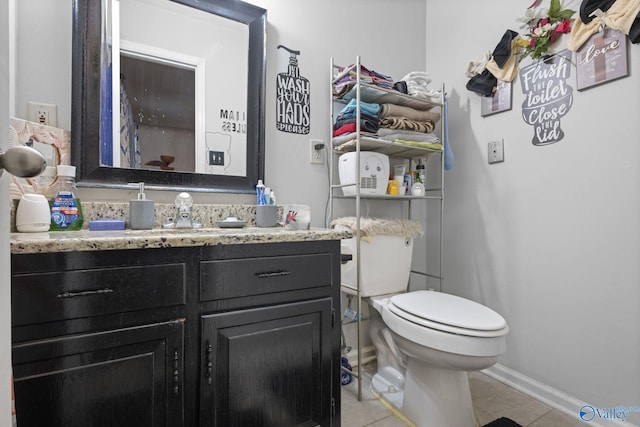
{"x":548,"y":96}
{"x":293,"y":107}
{"x":601,"y":59}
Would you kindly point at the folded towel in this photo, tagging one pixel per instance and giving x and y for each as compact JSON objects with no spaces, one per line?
{"x":419,"y":144}
{"x":408,"y":135}
{"x":400,"y":123}
{"x":417,"y":76}
{"x":365,"y":126}
{"x":392,"y":110}
{"x":369,"y":108}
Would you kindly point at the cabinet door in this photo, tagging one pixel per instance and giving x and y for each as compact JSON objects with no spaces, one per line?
{"x":124,"y":377}
{"x":268,"y":366}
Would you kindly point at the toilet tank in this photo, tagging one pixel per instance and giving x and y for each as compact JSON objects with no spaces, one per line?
{"x":385,"y":265}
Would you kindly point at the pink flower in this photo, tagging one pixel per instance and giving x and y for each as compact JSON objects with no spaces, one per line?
{"x":564,"y":27}
{"x":542,"y":22}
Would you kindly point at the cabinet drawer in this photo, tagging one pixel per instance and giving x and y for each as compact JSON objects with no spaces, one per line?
{"x":232,"y":278}
{"x":62,"y":295}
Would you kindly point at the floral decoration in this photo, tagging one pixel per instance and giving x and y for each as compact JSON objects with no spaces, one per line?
{"x":545,"y":26}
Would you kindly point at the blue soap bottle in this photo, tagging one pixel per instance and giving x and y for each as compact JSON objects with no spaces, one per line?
{"x":66,"y":210}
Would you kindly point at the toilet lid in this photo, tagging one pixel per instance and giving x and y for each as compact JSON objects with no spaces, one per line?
{"x":447,"y":310}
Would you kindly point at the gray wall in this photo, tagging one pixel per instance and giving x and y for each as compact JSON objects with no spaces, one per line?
{"x":549,"y":238}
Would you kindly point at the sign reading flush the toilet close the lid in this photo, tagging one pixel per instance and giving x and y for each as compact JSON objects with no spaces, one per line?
{"x":548,"y":96}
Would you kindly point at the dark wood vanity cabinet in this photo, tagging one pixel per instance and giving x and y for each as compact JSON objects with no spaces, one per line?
{"x":268,"y":361}
{"x":227,"y":335}
{"x":122,"y":377}
{"x":98,"y":338}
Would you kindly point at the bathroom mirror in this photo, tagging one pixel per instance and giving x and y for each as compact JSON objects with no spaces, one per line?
{"x":97,"y":56}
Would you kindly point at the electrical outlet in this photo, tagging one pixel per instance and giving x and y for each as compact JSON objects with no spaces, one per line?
{"x":44,"y":114}
{"x":496,"y":151}
{"x":316,"y":151}
{"x":216,"y":158}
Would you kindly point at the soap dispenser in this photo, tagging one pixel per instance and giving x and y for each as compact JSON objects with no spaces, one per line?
{"x":141,"y":211}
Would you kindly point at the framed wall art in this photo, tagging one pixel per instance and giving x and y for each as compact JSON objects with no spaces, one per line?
{"x":601,"y":59}
{"x":499,"y":102}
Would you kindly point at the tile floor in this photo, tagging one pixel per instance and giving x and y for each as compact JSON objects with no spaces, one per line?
{"x":491,"y":400}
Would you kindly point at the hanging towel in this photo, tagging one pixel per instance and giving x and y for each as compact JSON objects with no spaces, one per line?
{"x":448,"y":154}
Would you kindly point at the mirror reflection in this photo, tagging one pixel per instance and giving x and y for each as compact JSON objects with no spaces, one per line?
{"x":179,"y":107}
{"x":157,"y":112}
{"x":157,"y":116}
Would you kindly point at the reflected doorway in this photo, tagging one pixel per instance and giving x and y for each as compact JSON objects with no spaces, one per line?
{"x":157,"y":115}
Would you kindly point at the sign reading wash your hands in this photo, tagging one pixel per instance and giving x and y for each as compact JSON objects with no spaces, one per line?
{"x":293,"y":106}
{"x":548,"y":96}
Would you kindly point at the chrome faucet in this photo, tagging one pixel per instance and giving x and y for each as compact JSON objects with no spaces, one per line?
{"x":184,"y":219}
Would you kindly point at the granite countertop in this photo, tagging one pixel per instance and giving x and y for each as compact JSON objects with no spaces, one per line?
{"x":85,"y":240}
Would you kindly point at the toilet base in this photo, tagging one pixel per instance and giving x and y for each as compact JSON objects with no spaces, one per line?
{"x":437,"y":397}
{"x":388,"y":383}
{"x":426,"y":395}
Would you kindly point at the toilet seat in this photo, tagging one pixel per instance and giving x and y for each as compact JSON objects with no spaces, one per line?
{"x":448,"y":313}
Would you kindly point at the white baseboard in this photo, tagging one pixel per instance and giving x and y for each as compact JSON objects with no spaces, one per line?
{"x":547,"y":395}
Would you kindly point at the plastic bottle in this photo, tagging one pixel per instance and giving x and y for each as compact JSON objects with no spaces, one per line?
{"x":260,"y":192}
{"x":420,"y":171}
{"x":66,"y":210}
{"x":45,"y":182}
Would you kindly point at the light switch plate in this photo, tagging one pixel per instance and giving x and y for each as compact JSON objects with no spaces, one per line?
{"x":496,"y":151}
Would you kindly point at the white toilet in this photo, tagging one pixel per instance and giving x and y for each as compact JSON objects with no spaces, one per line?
{"x":425,"y":341}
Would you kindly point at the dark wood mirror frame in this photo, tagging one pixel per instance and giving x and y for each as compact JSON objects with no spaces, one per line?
{"x":85,"y":118}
